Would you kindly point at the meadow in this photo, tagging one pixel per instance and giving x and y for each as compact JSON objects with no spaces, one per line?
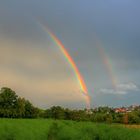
{"x":44,"y":129}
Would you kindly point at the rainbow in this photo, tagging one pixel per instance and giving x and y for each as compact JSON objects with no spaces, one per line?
{"x":70,"y":60}
{"x":107,"y":63}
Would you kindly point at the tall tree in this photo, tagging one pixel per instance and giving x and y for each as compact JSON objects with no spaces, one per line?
{"x":8,"y":102}
{"x":8,"y":98}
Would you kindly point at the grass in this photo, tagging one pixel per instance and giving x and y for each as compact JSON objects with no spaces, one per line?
{"x":42,"y":129}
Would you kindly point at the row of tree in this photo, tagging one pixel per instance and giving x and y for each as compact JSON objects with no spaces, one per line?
{"x":102,"y":114}
{"x":12,"y":106}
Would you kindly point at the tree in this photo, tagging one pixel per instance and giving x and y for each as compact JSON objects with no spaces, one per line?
{"x":55,"y":112}
{"x":12,"y":106}
{"x":99,"y":117}
{"x":30,"y":110}
{"x":8,"y":101}
{"x":133,"y":118}
{"x":8,"y":98}
{"x":20,"y":107}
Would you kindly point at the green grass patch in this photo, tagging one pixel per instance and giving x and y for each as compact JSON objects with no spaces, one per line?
{"x":43,"y":129}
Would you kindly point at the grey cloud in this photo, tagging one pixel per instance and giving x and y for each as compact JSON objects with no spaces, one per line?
{"x":121,"y":89}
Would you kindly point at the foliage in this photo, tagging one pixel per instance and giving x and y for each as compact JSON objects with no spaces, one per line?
{"x":12,"y":106}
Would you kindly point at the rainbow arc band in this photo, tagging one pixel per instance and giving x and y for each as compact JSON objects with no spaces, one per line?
{"x":72,"y":63}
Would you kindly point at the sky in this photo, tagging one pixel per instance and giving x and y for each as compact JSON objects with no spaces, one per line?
{"x":102,"y":37}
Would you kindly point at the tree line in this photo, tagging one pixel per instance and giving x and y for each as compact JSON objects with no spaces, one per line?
{"x":12,"y":106}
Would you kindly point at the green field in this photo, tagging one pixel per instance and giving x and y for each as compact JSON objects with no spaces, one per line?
{"x":42,"y":129}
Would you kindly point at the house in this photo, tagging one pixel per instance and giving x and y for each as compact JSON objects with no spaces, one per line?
{"x":120,"y":110}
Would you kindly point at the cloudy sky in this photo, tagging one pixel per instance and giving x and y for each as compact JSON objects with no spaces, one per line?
{"x":103,"y":38}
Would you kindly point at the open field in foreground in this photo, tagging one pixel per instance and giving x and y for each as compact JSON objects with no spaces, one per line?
{"x":42,"y":129}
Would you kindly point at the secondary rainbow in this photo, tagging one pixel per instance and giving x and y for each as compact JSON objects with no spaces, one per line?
{"x":72,"y":63}
{"x":107,"y":63}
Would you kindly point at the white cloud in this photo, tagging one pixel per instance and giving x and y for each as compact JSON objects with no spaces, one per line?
{"x":112,"y":91}
{"x":129,"y":86}
{"x":121,"y":89}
